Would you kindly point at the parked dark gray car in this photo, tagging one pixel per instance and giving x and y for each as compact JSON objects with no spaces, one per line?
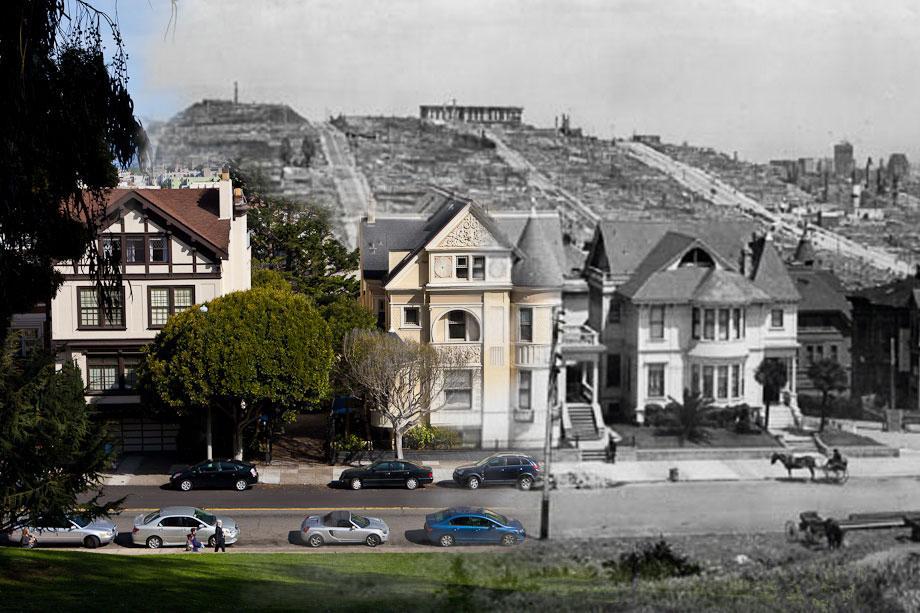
{"x":500,"y":469}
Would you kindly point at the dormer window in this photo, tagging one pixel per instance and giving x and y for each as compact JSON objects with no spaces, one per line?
{"x":462,"y":270}
{"x":479,"y":267}
{"x":697,"y":257}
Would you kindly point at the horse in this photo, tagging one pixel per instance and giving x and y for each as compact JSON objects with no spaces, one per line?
{"x":792,"y":462}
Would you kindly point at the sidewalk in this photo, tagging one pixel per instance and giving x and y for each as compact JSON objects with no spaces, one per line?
{"x":586,"y":474}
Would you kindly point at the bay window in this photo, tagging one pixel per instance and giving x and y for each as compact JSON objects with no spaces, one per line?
{"x":723,"y":324}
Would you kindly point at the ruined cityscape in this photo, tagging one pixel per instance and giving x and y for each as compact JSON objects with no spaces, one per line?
{"x":516,"y":363}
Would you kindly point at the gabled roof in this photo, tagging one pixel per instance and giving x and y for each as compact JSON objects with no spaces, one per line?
{"x":728,"y":287}
{"x":627,"y":243}
{"x":538,"y":266}
{"x":770,"y":272}
{"x":820,"y":289}
{"x":894,"y":294}
{"x":196,"y":211}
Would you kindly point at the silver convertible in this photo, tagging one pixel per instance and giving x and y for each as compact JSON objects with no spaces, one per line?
{"x":77,"y":530}
{"x":170,"y":525}
{"x":343,"y":527}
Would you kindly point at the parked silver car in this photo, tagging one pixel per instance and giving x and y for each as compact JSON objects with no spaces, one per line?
{"x":169,"y":526}
{"x":77,"y":530}
{"x":343,"y":527}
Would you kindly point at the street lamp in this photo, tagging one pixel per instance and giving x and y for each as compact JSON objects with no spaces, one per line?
{"x":552,"y":395}
{"x":207,"y":431}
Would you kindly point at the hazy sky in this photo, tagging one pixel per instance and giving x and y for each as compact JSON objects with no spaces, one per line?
{"x":766,"y":78}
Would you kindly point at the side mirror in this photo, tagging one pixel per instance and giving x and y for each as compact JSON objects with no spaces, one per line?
{"x":352,"y":528}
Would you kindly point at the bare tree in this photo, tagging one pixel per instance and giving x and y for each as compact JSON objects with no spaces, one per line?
{"x":402,"y":379}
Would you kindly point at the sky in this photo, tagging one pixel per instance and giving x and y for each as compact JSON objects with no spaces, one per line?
{"x":766,"y":78}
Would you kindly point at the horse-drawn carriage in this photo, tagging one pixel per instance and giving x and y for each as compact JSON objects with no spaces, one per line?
{"x":811,"y":527}
{"x":835,"y":468}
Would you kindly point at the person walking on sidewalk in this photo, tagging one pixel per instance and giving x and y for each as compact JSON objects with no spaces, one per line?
{"x":220,"y":541}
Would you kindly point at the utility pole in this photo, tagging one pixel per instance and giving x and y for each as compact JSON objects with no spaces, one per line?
{"x":891,"y":374}
{"x":552,"y":395}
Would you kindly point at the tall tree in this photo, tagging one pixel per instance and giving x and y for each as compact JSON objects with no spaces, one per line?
{"x":65,"y":118}
{"x":771,"y":374}
{"x":308,"y":149}
{"x":403,"y":380}
{"x":287,"y":151}
{"x":827,"y":376}
{"x":51,"y":450}
{"x":297,"y":240}
{"x":259,"y":352}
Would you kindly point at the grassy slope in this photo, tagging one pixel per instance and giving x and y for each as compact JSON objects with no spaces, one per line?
{"x":779,"y":576}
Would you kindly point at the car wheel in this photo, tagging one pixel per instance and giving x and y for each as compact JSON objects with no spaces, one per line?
{"x":154,"y":542}
{"x":185,"y":485}
{"x":372,"y":540}
{"x":525,"y":483}
{"x":241,"y":485}
{"x":473,"y":483}
{"x":411,"y":483}
{"x":356,"y":484}
{"x":91,"y":542}
{"x":212,"y":541}
{"x":315,"y":540}
{"x":446,"y":540}
{"x":508,"y":540}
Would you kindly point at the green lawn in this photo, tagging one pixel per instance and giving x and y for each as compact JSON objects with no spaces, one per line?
{"x":651,"y":438}
{"x":779,"y":576}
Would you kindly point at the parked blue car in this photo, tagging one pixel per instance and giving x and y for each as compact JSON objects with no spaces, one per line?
{"x":476,"y":526}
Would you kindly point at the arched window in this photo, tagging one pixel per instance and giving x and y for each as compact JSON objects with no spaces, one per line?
{"x":697,"y":257}
{"x":459,"y":326}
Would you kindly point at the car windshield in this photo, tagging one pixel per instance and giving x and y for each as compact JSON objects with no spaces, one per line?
{"x":205,"y":517}
{"x":496,"y":517}
{"x":361,"y":522}
{"x":81,"y":520}
{"x":152,"y":516}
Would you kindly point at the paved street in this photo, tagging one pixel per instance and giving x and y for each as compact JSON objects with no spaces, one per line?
{"x":270,"y":515}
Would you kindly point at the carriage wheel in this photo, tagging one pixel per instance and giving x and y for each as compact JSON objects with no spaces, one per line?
{"x":842,"y":476}
{"x":792,"y":531}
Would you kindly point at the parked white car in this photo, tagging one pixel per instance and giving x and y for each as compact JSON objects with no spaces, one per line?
{"x":77,"y":530}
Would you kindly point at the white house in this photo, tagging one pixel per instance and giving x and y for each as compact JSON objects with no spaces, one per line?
{"x":689,"y":307}
{"x":176,"y":248}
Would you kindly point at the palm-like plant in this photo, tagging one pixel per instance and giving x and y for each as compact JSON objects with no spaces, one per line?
{"x":771,"y":374}
{"x":689,"y":418}
{"x":827,"y":376}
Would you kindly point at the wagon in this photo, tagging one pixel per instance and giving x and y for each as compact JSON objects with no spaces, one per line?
{"x":811,"y":526}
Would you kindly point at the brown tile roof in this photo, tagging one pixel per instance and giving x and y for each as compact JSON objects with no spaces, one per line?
{"x":196,"y":210}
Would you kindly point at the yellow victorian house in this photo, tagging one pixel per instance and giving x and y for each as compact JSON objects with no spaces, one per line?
{"x":452,"y":274}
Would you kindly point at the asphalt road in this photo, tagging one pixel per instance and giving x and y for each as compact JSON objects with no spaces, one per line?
{"x":270,"y":516}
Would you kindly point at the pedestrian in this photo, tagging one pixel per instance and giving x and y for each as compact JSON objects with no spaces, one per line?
{"x":220,"y":542}
{"x":28,"y":539}
{"x":191,"y":541}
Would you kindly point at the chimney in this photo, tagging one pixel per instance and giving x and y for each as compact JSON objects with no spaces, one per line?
{"x":226,"y":194}
{"x":747,"y":261}
{"x":371,"y":208}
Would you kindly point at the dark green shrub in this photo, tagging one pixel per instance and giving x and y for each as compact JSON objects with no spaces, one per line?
{"x":651,"y":560}
{"x":655,"y":415}
{"x":431,"y":437}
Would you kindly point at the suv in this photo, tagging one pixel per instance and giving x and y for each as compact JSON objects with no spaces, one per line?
{"x":501,"y":468}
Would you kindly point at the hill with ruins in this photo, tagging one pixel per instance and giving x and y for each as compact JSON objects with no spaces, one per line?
{"x":388,"y":162}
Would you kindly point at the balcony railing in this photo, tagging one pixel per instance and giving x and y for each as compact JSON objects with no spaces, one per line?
{"x":578,"y":335}
{"x":531,"y":354}
{"x":468,"y":353}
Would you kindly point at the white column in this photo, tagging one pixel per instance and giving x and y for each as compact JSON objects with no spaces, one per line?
{"x":595,"y":382}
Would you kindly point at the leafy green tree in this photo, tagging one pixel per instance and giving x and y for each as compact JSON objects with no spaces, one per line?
{"x":296,"y":240}
{"x":259,"y":352}
{"x":827,"y":376}
{"x":65,"y":118}
{"x":51,"y":449}
{"x":771,"y":374}
{"x":272,"y":279}
{"x":690,"y":417}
